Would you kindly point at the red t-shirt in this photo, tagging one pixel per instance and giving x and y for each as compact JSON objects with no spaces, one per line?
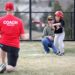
{"x":11,"y":28}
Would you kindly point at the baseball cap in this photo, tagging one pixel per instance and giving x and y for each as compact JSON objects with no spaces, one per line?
{"x":9,"y":6}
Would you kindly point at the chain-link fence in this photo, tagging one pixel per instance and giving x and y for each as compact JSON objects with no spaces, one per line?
{"x":35,"y":29}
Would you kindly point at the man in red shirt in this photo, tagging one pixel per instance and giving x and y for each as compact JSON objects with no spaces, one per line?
{"x":11,"y":29}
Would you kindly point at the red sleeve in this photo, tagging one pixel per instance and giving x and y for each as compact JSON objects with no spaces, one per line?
{"x":22,"y":28}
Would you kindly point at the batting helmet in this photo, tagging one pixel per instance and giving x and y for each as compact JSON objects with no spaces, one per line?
{"x":9,"y":6}
{"x":59,"y":14}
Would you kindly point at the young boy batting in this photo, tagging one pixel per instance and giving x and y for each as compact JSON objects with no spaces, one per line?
{"x":59,"y":32}
{"x":11,"y":29}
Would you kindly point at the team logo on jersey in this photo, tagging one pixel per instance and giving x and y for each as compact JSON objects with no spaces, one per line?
{"x":10,"y":23}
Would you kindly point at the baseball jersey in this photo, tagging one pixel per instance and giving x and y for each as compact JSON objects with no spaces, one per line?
{"x":11,"y":28}
{"x":60,"y":30}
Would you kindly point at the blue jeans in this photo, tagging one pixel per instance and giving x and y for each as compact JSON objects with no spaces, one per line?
{"x":48,"y":43}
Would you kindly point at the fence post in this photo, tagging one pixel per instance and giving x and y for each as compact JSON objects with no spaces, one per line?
{"x":30,"y":20}
{"x":74,"y":20}
{"x":71,"y":24}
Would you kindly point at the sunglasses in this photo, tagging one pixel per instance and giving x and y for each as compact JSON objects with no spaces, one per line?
{"x":50,"y":19}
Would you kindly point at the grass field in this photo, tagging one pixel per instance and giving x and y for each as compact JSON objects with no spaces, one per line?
{"x":33,"y":61}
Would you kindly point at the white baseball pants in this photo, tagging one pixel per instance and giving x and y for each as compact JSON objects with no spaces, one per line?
{"x":58,"y":42}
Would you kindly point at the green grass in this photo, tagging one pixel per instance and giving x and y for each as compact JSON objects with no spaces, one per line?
{"x":33,"y":61}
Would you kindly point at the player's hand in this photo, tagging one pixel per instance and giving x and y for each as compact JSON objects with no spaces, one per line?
{"x":26,"y":36}
{"x":50,"y":37}
{"x":57,"y":27}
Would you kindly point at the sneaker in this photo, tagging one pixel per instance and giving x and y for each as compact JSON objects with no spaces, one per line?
{"x":2,"y":68}
{"x":61,"y":54}
{"x":57,"y":53}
